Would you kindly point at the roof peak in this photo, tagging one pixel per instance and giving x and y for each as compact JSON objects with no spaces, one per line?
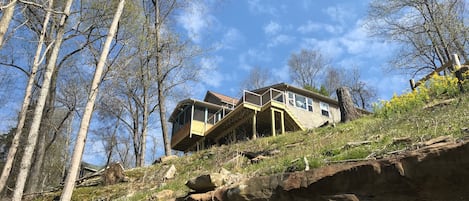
{"x":222,"y":97}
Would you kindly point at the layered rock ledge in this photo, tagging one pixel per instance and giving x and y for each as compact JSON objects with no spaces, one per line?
{"x":437,"y":172}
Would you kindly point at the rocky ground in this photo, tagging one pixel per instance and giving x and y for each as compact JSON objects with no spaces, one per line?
{"x":439,"y":170}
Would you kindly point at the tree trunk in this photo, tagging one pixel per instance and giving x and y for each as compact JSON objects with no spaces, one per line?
{"x":26,"y":101}
{"x":67,"y":145}
{"x":46,"y":126}
{"x":136,"y":137}
{"x":33,"y":133}
{"x":146,"y":113}
{"x":6,"y":19}
{"x":348,"y":112}
{"x":159,"y":74}
{"x":112,"y":141}
{"x":84,"y":125}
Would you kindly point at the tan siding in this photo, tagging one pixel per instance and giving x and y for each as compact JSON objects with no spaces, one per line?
{"x":198,"y":127}
{"x":314,"y":119}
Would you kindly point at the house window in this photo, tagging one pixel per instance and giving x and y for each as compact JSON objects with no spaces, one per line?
{"x":291,"y":98}
{"x":300,"y":101}
{"x":324,"y":109}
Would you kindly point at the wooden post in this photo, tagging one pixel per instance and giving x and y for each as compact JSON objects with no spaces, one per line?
{"x":272,"y":113}
{"x":234,"y":136}
{"x":205,"y":119}
{"x":348,"y":112}
{"x":412,"y":84}
{"x":191,"y":120}
{"x":254,"y":130}
{"x":457,"y":72}
{"x":282,"y":122}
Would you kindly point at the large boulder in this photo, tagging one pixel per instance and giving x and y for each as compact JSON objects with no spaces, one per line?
{"x":113,"y":174}
{"x":170,"y":173}
{"x":206,"y":183}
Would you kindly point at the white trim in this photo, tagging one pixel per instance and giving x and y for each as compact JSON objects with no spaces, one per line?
{"x":324,"y":107}
{"x":306,"y":105}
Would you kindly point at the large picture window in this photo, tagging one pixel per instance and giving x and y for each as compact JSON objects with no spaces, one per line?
{"x":300,"y":101}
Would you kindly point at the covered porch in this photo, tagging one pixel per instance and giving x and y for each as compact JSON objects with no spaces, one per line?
{"x":257,"y":115}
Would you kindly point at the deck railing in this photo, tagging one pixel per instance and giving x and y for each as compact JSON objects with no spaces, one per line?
{"x":252,"y":98}
{"x":262,"y":99}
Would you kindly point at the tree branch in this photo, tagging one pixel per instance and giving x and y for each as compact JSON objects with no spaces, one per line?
{"x":40,"y":6}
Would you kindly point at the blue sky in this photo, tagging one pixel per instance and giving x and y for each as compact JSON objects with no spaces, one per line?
{"x":264,"y":33}
{"x":243,"y":34}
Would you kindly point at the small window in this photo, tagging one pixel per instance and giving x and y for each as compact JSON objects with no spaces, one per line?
{"x":324,"y":109}
{"x":310,"y":104}
{"x":291,"y":98}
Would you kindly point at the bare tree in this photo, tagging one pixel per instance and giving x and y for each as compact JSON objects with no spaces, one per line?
{"x":81,"y":136}
{"x":33,"y":133}
{"x":428,"y":31}
{"x":305,"y":66}
{"x":361,"y":92}
{"x":133,"y":98}
{"x":26,"y":100}
{"x":7,"y":15}
{"x":173,"y":67}
{"x":333,"y":79}
{"x":258,"y":77}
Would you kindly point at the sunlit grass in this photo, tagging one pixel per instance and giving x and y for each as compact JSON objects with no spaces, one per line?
{"x":320,"y":147}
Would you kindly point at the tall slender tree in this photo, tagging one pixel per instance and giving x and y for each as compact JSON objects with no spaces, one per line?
{"x":37,"y":117}
{"x":173,"y":61}
{"x":26,"y":102}
{"x":8,"y":11}
{"x":81,"y":136}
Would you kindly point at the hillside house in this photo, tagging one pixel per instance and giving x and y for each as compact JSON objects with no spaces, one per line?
{"x":268,"y":111}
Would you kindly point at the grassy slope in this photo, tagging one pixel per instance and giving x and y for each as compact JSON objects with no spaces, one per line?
{"x":320,"y":146}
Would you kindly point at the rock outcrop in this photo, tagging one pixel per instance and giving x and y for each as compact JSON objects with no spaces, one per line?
{"x":436,"y":172}
{"x":113,"y":174}
{"x":205,"y":183}
{"x":210,"y":182}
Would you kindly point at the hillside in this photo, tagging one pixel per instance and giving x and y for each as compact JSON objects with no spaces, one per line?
{"x":371,"y":139}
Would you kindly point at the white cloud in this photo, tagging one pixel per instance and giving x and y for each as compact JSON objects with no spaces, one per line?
{"x":281,"y":39}
{"x":231,"y":38}
{"x":358,"y":42}
{"x":330,"y":48}
{"x":209,"y":72}
{"x":334,"y":29}
{"x":252,"y":57}
{"x":258,"y":7}
{"x":195,"y":18}
{"x":311,"y":27}
{"x":272,"y":28}
{"x":340,"y":13}
{"x":355,"y":43}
